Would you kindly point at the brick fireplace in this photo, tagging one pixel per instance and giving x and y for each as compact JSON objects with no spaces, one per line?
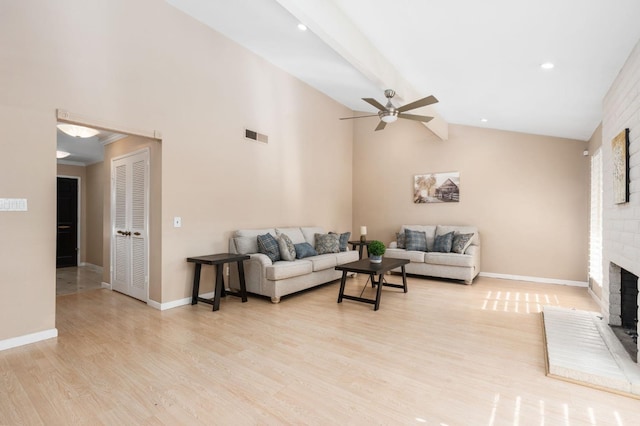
{"x":621,"y":222}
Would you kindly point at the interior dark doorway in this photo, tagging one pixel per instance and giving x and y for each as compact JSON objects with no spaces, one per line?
{"x":67,"y":223}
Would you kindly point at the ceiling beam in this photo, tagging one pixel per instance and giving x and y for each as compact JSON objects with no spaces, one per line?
{"x":328,"y":22}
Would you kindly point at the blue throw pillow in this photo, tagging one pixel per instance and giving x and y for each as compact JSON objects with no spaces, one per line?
{"x":443,"y":243}
{"x":344,"y":240}
{"x":267,"y":244}
{"x":415,"y":240}
{"x":304,"y":250}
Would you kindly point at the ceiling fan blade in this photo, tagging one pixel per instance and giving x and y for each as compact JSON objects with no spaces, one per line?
{"x":375,"y":103}
{"x":381,"y":125}
{"x":422,"y":118}
{"x":419,"y":103}
{"x":360,"y":116}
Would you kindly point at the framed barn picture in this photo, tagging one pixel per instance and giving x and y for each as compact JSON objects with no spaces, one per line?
{"x":620,"y":156}
{"x":436,"y":188}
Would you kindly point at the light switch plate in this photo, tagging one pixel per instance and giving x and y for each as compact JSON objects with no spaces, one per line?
{"x":13,"y":204}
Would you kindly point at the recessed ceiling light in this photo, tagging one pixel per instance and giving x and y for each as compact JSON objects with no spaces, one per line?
{"x":62,"y":154}
{"x":484,"y":120}
{"x":78,"y":131}
{"x":302,"y":27}
{"x":547,"y":66}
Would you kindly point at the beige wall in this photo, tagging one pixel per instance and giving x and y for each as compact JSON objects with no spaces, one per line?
{"x":527,"y":194}
{"x":145,"y":65}
{"x":95,"y":205}
{"x":67,"y":170}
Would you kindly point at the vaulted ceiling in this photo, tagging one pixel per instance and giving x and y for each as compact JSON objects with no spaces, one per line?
{"x":482,"y":60}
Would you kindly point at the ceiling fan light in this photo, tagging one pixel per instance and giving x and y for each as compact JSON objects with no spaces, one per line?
{"x":78,"y":131}
{"x":62,"y":154}
{"x":389,"y":118}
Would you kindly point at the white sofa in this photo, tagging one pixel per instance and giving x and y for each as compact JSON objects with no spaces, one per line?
{"x":464,"y":266}
{"x":280,"y":278}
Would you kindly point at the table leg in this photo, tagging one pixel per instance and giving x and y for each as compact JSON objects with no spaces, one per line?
{"x":342,"y":284}
{"x":219,"y":285}
{"x":404,"y":279}
{"x":373,"y":280}
{"x":243,"y":285}
{"x":196,"y":284}
{"x":378,"y":293}
{"x":360,"y":248}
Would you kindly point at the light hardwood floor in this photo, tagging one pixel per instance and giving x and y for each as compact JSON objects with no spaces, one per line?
{"x":442,"y":354}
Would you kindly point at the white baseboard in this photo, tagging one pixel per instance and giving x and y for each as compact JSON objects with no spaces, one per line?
{"x":28,"y":338}
{"x":176,"y":303}
{"x":106,"y":285}
{"x":91,"y":266}
{"x":596,"y":299}
{"x":534,"y":279}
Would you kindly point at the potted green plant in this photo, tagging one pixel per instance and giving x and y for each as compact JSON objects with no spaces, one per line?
{"x":376,"y":249}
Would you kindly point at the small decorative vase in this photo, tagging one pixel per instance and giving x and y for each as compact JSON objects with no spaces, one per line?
{"x":375,"y":259}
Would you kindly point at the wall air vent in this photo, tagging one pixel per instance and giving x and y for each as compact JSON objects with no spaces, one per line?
{"x":255,"y":136}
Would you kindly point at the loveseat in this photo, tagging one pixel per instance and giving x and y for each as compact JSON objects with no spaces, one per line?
{"x":274,"y":277}
{"x":441,"y":251}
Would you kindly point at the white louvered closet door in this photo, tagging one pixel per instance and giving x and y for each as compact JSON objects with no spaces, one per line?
{"x":129,"y":200}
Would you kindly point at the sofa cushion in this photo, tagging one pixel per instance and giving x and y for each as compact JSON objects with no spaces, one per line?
{"x":346,"y":257}
{"x":287,"y":249}
{"x":323,"y":261}
{"x":246,"y":245}
{"x":267,"y":244}
{"x":304,"y":250}
{"x":327,"y":243}
{"x":429,"y":231}
{"x":310,"y":232}
{"x":295,"y":234}
{"x":410,"y":255}
{"x":282,"y":270}
{"x":415,"y":240}
{"x":449,"y":259}
{"x":461,"y":242}
{"x":456,"y":229}
{"x":400,"y":239}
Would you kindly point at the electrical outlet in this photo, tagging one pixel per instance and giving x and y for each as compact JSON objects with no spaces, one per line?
{"x":177,"y":222}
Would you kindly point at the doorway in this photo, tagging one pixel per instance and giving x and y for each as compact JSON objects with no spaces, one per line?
{"x":67,"y":246}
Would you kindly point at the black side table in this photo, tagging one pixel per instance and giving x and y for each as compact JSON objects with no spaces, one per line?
{"x":361,"y":245}
{"x":218,"y":260}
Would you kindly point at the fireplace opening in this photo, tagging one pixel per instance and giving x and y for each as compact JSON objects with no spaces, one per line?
{"x":627,"y":332}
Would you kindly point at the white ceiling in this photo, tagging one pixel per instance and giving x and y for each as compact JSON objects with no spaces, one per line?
{"x":480,"y":59}
{"x":84,"y":151}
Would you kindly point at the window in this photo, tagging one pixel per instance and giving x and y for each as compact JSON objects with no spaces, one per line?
{"x":595,"y":233}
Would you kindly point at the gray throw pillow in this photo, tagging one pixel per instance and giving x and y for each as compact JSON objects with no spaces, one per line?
{"x":327,"y":243}
{"x":443,"y":243}
{"x":415,"y":240}
{"x":268,"y":245}
{"x":304,"y":250}
{"x":287,"y":249}
{"x":461,"y":242}
{"x":400,"y":240}
{"x":344,"y":240}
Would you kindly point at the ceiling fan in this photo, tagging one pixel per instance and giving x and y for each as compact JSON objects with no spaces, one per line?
{"x":389,"y":113}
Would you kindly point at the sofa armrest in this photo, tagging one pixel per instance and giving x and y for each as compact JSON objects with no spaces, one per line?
{"x":262,"y":258}
{"x":475,"y":252}
{"x":393,"y":244}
